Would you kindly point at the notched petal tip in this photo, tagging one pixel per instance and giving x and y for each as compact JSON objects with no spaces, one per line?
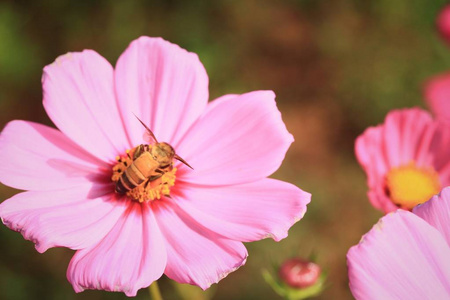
{"x":41,"y":248}
{"x":224,"y":274}
{"x":144,"y":41}
{"x":304,"y":199}
{"x":60,"y":60}
{"x":68,"y":58}
{"x":128,"y":291}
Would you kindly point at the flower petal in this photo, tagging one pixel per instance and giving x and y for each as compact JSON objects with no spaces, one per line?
{"x":164,"y":85}
{"x":247,"y":212}
{"x":37,"y":157}
{"x":437,"y":94}
{"x":237,"y":140}
{"x":436,"y":212}
{"x":368,"y":150}
{"x":130,"y":257}
{"x":196,"y":255}
{"x":407,"y":136}
{"x":75,"y":217}
{"x":79,"y":98}
{"x":402,"y":257}
{"x":439,"y":146}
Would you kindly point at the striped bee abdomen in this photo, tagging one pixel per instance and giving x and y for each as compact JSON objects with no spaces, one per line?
{"x":139,"y":171}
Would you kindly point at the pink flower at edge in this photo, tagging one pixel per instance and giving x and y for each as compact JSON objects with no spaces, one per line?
{"x":443,"y":23}
{"x":408,"y":140}
{"x":437,"y":96}
{"x":405,"y":255}
{"x":196,"y":235}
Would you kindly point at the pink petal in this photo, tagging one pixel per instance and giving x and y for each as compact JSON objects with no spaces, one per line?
{"x":129,"y":258}
{"x":247,"y":212}
{"x":237,"y":140}
{"x":407,"y":134}
{"x":437,"y":93}
{"x":164,"y":85}
{"x":439,"y":149}
{"x":436,"y":212}
{"x":79,"y":98}
{"x":37,"y":157}
{"x":368,"y":150}
{"x":402,"y":257}
{"x":74,"y":217}
{"x":195,"y":255}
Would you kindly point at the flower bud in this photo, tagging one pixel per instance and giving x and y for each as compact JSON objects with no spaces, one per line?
{"x":443,"y":23}
{"x":299,"y":273}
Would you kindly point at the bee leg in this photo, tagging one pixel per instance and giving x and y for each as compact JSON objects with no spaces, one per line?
{"x":160,"y":173}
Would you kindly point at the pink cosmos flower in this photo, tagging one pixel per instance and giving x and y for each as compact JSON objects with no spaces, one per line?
{"x":443,"y":23}
{"x":437,"y":95}
{"x":406,"y":255}
{"x":406,"y":159}
{"x":126,"y":241}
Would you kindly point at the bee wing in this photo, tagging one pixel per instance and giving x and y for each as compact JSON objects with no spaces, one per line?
{"x":149,"y":137}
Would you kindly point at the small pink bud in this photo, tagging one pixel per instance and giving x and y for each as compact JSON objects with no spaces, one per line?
{"x":443,"y":23}
{"x":299,"y":273}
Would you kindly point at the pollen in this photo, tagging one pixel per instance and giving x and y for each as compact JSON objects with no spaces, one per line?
{"x":150,"y":189}
{"x":410,"y":185}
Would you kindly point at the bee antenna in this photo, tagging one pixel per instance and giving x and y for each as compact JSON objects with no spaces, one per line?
{"x":148,"y":129}
{"x":182,"y":160}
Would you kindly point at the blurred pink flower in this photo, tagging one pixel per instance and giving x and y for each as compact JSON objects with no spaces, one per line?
{"x":437,"y":95}
{"x":406,"y":255}
{"x":406,"y":159}
{"x":195,"y":236}
{"x":443,"y":23}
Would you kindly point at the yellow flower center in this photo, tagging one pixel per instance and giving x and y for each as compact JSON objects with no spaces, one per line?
{"x":128,"y":174}
{"x":410,"y":185}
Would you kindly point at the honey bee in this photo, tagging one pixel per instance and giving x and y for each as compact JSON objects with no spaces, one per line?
{"x":150,"y":162}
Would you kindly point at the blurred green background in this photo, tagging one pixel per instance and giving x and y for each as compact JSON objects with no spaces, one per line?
{"x":337,"y":67}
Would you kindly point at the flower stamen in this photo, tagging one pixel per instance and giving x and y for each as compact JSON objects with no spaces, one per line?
{"x":410,"y":185}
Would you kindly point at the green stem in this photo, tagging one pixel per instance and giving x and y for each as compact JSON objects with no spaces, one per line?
{"x":155,"y":294}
